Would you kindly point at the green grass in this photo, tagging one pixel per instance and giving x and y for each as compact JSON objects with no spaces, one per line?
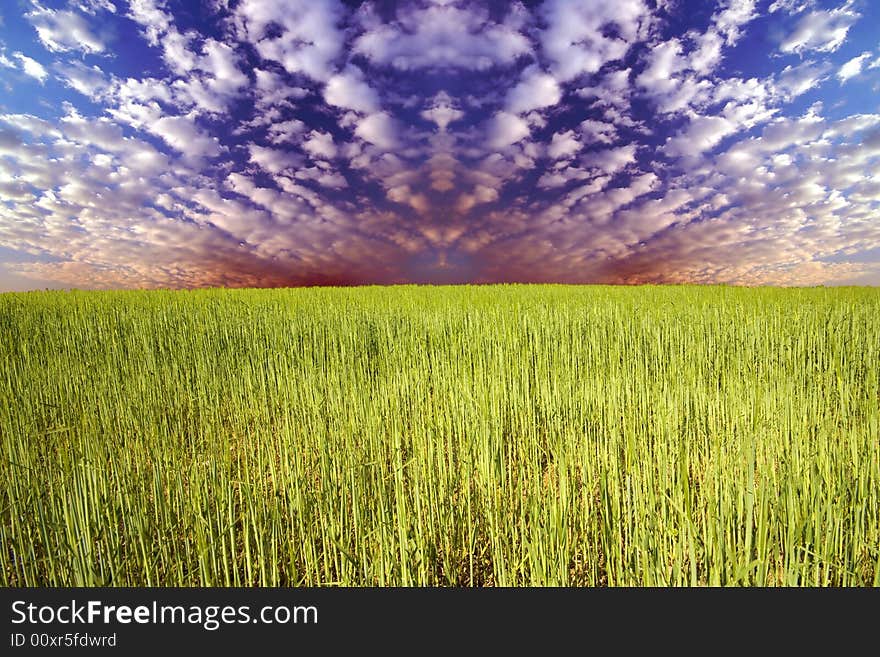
{"x":503,"y":435}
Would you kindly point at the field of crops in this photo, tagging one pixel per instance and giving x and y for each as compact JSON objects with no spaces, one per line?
{"x":503,"y":435}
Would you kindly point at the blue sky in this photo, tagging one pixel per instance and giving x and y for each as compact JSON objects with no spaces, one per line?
{"x":171,"y":143}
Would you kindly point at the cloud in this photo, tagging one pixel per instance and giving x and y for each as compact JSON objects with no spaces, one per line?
{"x":797,"y":80}
{"x":664,"y":61}
{"x":5,"y":62}
{"x":506,"y":129}
{"x":584,"y":35}
{"x":209,"y":72}
{"x":563,"y":145}
{"x":93,"y":7}
{"x":536,"y":90}
{"x":116,"y":212}
{"x":152,"y":16}
{"x":87,"y":80}
{"x":702,"y":134}
{"x":273,"y":160}
{"x":730,"y":19}
{"x":378,"y":129}
{"x":708,"y":53}
{"x":286,"y":142}
{"x":11,"y":142}
{"x":221,"y":63}
{"x":611,"y":92}
{"x":560,"y":177}
{"x":790,"y":6}
{"x":442,"y":111}
{"x":301,"y":35}
{"x":480,"y":194}
{"x":32,"y":67}
{"x":182,"y":134}
{"x":404,"y":194}
{"x":348,"y":90}
{"x":323,"y":177}
{"x":610,"y":161}
{"x":677,"y":71}
{"x":273,"y":91}
{"x":286,"y":131}
{"x":63,"y":31}
{"x":853,"y":67}
{"x":219,"y":83}
{"x":443,"y":35}
{"x":726,"y":29}
{"x":320,"y":145}
{"x":598,"y":131}
{"x":821,"y":30}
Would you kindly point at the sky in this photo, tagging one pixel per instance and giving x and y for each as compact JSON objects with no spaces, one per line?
{"x":275,"y":143}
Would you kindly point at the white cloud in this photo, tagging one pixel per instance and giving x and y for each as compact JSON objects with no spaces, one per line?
{"x":5,"y":62}
{"x":218,"y":82}
{"x":731,"y":18}
{"x":480,"y":194}
{"x":324,"y":177}
{"x":177,"y":49}
{"x":210,"y":77}
{"x":94,"y":6}
{"x":61,"y":31}
{"x":601,"y":206}
{"x":320,"y":145}
{"x":152,"y":16}
{"x":272,"y":91}
{"x":822,"y":30}
{"x":790,"y":6}
{"x":285,"y":131}
{"x":577,"y":40}
{"x":563,"y":145}
{"x":349,"y":91}
{"x":598,"y":131}
{"x":133,"y":93}
{"x":442,"y":111}
{"x":444,"y":35}
{"x":308,"y":39}
{"x":707,"y":54}
{"x":610,"y":161}
{"x":702,"y":134}
{"x":559,"y":177}
{"x":378,"y":129}
{"x":796,"y":80}
{"x":664,"y":61}
{"x":220,"y":61}
{"x":404,"y":195}
{"x":87,"y":80}
{"x":505,"y":129}
{"x":116,"y":211}
{"x":533,"y":186}
{"x":536,"y":90}
{"x":853,"y":67}
{"x":183,"y":135}
{"x":273,"y":160}
{"x":32,"y":67}
{"x":612,"y":92}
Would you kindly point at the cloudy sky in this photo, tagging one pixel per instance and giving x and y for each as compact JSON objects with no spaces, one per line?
{"x":184,"y":143}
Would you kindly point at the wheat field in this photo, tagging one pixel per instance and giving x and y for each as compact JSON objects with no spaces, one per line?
{"x":469,"y":436}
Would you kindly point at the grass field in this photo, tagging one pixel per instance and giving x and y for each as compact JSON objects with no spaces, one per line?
{"x":503,"y":435}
